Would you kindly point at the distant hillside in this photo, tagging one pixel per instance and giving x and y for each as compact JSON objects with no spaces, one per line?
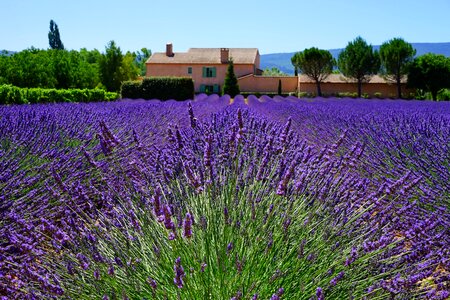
{"x":282,"y":61}
{"x":6,"y":52}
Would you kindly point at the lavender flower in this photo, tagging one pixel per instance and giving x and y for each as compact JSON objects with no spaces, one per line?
{"x":319,"y":294}
{"x":179,"y":273}
{"x":187,"y":226}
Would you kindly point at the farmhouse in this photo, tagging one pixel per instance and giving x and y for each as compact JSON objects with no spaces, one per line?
{"x":208,"y":66}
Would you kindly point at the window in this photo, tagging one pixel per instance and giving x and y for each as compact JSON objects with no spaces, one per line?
{"x":210,"y":89}
{"x":189,"y":70}
{"x":209,"y":71}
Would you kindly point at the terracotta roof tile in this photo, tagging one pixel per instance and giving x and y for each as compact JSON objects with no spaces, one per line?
{"x":205,"y":56}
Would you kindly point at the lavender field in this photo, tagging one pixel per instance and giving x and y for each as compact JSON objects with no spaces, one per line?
{"x":219,"y":198}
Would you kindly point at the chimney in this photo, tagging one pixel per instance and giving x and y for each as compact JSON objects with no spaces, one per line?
{"x":224,"y":55}
{"x":169,"y":50}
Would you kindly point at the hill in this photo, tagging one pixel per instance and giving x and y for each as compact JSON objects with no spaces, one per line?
{"x":282,"y":61}
{"x":6,"y":52}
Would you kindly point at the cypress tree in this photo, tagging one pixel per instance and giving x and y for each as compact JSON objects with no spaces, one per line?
{"x":53,"y":37}
{"x":230,"y":85}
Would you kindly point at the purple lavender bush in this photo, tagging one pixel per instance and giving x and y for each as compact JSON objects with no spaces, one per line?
{"x":261,"y":199}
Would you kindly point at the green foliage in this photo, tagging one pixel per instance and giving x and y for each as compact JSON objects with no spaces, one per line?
{"x":271,"y":94}
{"x":54,"y":38}
{"x":359,"y":61}
{"x":162,"y":88}
{"x":129,"y":69}
{"x":110,"y":64}
{"x":131,"y":89}
{"x":15,"y":95}
{"x":273,"y":72}
{"x":305,"y":95}
{"x":279,"y":87}
{"x":430,"y":72}
{"x":396,"y":56}
{"x":378,"y":95}
{"x":50,"y":69}
{"x":140,"y":60}
{"x":315,"y":63}
{"x":230,"y":86}
{"x":444,"y":95}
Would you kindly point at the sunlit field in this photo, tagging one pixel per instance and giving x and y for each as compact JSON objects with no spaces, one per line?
{"x":219,"y":198}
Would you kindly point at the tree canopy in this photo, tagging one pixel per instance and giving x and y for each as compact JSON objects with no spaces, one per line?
{"x":230,"y":86}
{"x":315,"y":63}
{"x":114,"y":67}
{"x":430,"y":72}
{"x":359,"y":61}
{"x":396,"y":56}
{"x":54,"y":38}
{"x":274,"y":71}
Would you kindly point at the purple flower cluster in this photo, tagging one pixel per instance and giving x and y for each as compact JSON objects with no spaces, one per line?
{"x":74,"y":177}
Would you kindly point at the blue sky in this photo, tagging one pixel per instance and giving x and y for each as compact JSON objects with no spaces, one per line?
{"x":272,"y":26}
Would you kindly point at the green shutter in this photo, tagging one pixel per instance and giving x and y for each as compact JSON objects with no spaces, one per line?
{"x":202,"y":88}
{"x":216,"y":89}
{"x":214,"y":72}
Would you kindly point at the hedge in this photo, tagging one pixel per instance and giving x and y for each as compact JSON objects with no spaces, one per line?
{"x":10,"y":94}
{"x":162,"y":88}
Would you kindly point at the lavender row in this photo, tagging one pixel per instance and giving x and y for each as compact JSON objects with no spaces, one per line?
{"x":221,"y":196}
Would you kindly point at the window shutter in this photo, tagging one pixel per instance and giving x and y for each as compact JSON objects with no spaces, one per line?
{"x":216,"y":88}
{"x":202,"y":86}
{"x":214,"y":72}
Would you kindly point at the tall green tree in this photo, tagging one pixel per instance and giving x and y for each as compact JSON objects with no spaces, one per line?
{"x":430,"y":72}
{"x":130,"y":69}
{"x":230,"y":85}
{"x":110,"y":66}
{"x":396,"y":56}
{"x":141,"y":58}
{"x":54,"y":38}
{"x":359,"y":61}
{"x":315,"y":63}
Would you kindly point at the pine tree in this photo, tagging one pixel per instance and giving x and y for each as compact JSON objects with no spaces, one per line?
{"x":230,"y":86}
{"x":53,"y":37}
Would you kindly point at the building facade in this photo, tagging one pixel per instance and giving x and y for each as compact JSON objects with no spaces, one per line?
{"x":206,"y":66}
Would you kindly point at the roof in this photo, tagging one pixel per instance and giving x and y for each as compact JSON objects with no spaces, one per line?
{"x":205,"y":56}
{"x":339,"y":78}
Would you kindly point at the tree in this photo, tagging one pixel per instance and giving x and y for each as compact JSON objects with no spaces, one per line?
{"x":110,"y":67}
{"x":279,"y":87}
{"x":230,"y":85}
{"x":359,"y":61}
{"x":273,"y":72}
{"x":430,"y":72}
{"x":130,"y":70}
{"x":396,"y":56}
{"x":141,"y":59}
{"x":315,"y":63}
{"x":53,"y":37}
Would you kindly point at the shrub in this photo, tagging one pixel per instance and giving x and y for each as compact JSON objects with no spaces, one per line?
{"x":14,"y":95}
{"x":131,"y":89}
{"x":165,"y":88}
{"x":378,"y":95}
{"x":162,"y":88}
{"x":347,"y":95}
{"x":305,"y":95}
{"x":444,"y":95}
